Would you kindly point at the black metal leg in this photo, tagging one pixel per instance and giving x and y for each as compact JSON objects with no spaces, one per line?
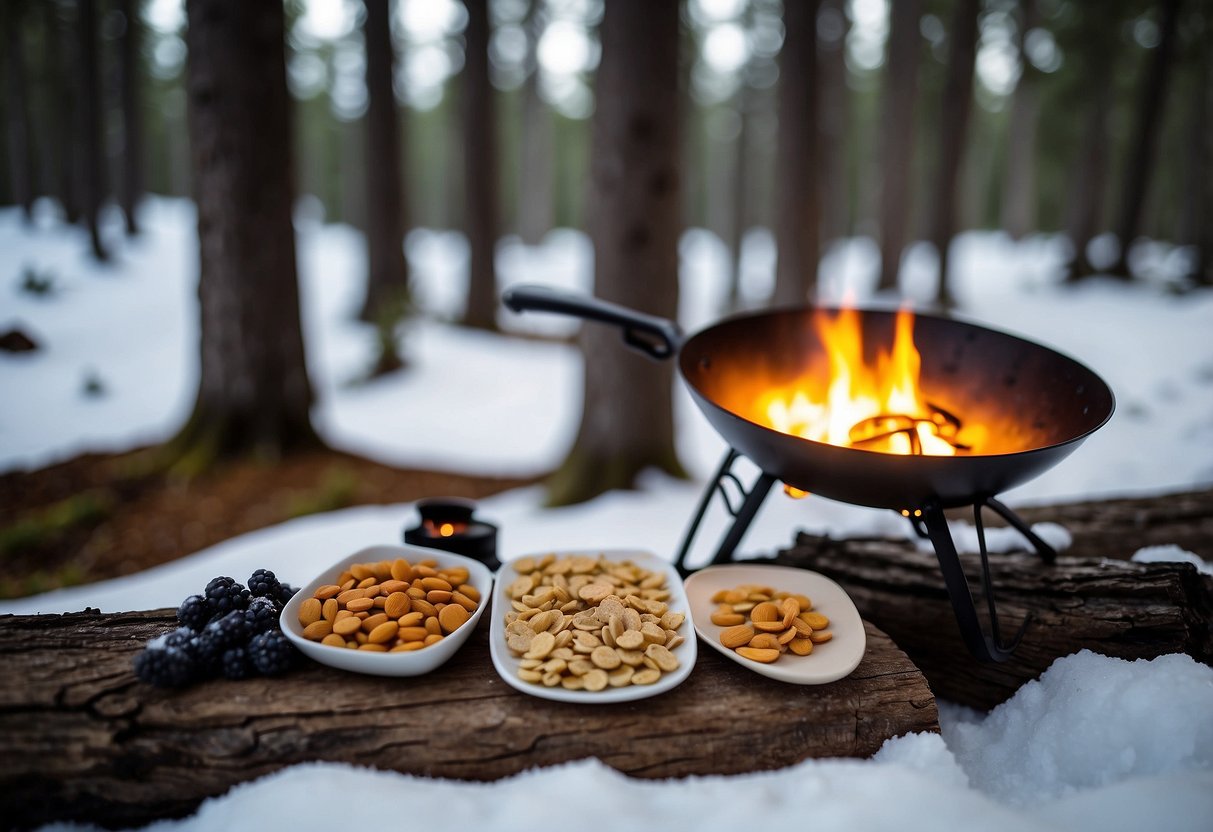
{"x":1047,"y":553}
{"x":982,"y":647}
{"x":742,"y":515}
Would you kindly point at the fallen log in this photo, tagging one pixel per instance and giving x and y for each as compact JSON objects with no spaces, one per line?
{"x":81,"y":739}
{"x":1101,"y":602}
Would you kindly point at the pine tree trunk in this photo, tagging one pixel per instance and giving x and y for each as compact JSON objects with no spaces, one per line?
{"x":16,"y":108}
{"x":89,"y":108}
{"x":1147,"y":123}
{"x":954,"y":124}
{"x":739,"y":191}
{"x":387,"y":284}
{"x":254,"y":394}
{"x":132,"y":116}
{"x":1019,"y":181}
{"x":798,"y":186}
{"x":897,"y":137}
{"x":60,"y":126}
{"x":535,"y":173}
{"x":627,"y":421}
{"x":480,"y":170}
{"x":1085,"y":210}
{"x":1199,"y":228}
{"x":833,"y":117}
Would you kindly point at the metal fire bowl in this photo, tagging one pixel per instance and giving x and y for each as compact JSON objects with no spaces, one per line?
{"x":1037,"y":404}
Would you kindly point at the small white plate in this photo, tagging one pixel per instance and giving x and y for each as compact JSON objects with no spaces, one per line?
{"x":413,"y":663}
{"x":828,"y":662}
{"x":507,"y":663}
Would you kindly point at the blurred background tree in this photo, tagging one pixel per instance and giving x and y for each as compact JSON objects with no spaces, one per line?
{"x":802,"y":123}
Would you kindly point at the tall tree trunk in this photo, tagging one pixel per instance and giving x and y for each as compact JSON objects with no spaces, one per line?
{"x":89,"y":108}
{"x":16,"y":108}
{"x":1019,"y":181}
{"x":254,"y":394}
{"x":387,"y":282}
{"x":954,"y":124}
{"x":833,"y":116}
{"x":132,"y":116}
{"x":897,"y":137}
{"x":798,"y":187}
{"x":627,"y":421}
{"x":1139,"y":164}
{"x":535,"y":172}
{"x":1084,"y":213}
{"x":480,"y":170}
{"x":62,"y":115}
{"x":1196,"y":227}
{"x":739,"y":190}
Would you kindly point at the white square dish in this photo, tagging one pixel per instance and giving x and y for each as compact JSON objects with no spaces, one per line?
{"x":413,"y":663}
{"x":507,"y":664}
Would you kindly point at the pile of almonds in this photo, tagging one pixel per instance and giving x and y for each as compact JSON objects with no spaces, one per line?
{"x":762,"y":623}
{"x":586,"y":623}
{"x":390,"y":606}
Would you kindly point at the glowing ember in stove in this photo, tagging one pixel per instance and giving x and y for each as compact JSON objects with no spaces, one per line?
{"x":875,"y":407}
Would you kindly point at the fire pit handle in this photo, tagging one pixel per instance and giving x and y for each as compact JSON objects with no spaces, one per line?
{"x":658,"y":338}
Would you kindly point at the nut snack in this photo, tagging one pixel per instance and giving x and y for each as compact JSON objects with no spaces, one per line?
{"x":587,"y":623}
{"x":761,"y":623}
{"x":390,"y":606}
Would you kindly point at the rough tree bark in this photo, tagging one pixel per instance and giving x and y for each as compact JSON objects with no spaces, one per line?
{"x":131,"y":186}
{"x":1147,"y":125}
{"x":81,"y":740}
{"x":897,"y":137}
{"x":480,"y":170}
{"x":798,"y":186}
{"x":1019,"y":179}
{"x":253,"y":394}
{"x":627,"y":421}
{"x":89,"y":114}
{"x":953,"y":128}
{"x":387,"y":282}
{"x":16,"y":107}
{"x":1091,"y":598}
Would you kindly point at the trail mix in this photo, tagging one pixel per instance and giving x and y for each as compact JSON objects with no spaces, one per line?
{"x":588,"y":623}
{"x":762,"y":624}
{"x":390,"y":606}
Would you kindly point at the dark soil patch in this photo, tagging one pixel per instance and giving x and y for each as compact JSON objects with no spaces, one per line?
{"x":101,"y":516}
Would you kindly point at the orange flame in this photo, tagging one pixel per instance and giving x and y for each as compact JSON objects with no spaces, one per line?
{"x":873,"y":407}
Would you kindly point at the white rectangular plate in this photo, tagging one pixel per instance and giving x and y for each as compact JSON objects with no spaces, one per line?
{"x":507,"y":663}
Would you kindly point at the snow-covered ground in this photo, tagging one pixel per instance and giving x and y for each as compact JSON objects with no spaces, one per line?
{"x":1096,"y":743}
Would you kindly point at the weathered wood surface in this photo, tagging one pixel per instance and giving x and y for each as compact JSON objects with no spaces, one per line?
{"x":82,"y":739}
{"x":1100,"y":601}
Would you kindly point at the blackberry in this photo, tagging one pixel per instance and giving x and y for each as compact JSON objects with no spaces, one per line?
{"x":261,"y":615}
{"x":194,"y":612}
{"x":236,"y":664}
{"x":223,"y":595}
{"x":271,"y":653}
{"x":264,"y":584}
{"x":285,"y":593}
{"x":165,"y":667}
{"x":181,"y":638}
{"x":232,"y":630}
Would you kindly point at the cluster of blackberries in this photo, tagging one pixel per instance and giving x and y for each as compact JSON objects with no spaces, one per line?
{"x":230,"y":630}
